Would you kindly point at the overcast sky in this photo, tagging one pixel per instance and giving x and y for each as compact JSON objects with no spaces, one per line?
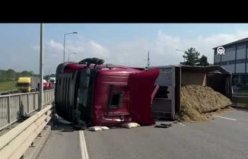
{"x":125,"y":44}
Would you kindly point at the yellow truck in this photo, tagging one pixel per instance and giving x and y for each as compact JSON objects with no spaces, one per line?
{"x":28,"y":84}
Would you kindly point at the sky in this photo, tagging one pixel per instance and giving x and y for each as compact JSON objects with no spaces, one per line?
{"x":122,"y":43}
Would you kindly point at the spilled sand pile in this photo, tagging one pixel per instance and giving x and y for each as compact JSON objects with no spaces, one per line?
{"x":198,"y":101}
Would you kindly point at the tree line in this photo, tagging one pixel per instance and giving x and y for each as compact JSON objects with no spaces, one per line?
{"x":191,"y":57}
{"x":12,"y":75}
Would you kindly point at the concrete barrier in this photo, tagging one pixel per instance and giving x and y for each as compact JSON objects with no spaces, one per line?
{"x":15,"y":143}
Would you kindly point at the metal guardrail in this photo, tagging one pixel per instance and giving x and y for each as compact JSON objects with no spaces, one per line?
{"x":9,"y":92}
{"x":15,"y":143}
{"x":14,"y":106}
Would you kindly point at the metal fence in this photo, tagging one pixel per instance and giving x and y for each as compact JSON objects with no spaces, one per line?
{"x":13,"y":107}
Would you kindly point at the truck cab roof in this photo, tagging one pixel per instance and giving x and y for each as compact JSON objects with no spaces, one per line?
{"x":24,"y":80}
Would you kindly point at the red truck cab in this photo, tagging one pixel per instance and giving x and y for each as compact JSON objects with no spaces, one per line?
{"x":104,"y":95}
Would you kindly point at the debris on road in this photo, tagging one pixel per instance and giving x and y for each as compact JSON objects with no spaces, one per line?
{"x":163,"y":125}
{"x":98,"y":128}
{"x":105,"y":128}
{"x":125,"y":125}
{"x":198,"y":101}
{"x":130,"y":125}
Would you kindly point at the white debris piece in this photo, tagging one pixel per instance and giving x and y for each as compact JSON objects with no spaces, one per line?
{"x":95,"y":128}
{"x":104,"y":128}
{"x":130,"y":125}
{"x":98,"y":128}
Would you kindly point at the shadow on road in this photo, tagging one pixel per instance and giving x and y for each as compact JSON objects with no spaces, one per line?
{"x":241,"y":108}
{"x":61,"y":125}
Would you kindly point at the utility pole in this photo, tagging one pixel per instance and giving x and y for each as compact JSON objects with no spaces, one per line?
{"x":64,"y":42}
{"x":148,"y":60}
{"x":64,"y":48}
{"x":41,"y":68}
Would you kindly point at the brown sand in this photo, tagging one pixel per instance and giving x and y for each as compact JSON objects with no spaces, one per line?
{"x":197,"y":102}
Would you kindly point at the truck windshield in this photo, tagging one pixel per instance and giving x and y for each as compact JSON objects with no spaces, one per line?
{"x":23,"y":84}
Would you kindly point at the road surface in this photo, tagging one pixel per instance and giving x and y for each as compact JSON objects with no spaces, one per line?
{"x":224,"y":137}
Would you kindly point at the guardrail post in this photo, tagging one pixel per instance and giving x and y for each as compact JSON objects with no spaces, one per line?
{"x":28,"y":104}
{"x":21,"y":108}
{"x":8,"y":109}
{"x":34,"y":101}
{"x":46,"y":116}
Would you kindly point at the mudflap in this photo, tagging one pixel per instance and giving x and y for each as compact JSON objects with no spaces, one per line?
{"x":141,"y":86}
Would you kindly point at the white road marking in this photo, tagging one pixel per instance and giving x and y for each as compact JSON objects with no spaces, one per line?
{"x":225,"y":118}
{"x":83,"y":147}
{"x":181,"y":124}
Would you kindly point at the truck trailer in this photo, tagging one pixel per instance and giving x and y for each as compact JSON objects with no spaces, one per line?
{"x":167,"y":103}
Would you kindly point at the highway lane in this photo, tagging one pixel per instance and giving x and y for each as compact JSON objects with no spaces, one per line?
{"x":224,"y":137}
{"x":63,"y":143}
{"x":220,"y":138}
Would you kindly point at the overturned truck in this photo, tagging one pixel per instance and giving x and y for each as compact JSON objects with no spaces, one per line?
{"x":167,"y":103}
{"x":106,"y":95}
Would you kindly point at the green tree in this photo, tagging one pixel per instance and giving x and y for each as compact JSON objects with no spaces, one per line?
{"x":203,"y":61}
{"x":10,"y":75}
{"x":26,"y":73}
{"x":191,"y":57}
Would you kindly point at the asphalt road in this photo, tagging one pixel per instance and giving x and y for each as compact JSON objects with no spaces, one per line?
{"x":225,"y":137}
{"x":63,"y":143}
